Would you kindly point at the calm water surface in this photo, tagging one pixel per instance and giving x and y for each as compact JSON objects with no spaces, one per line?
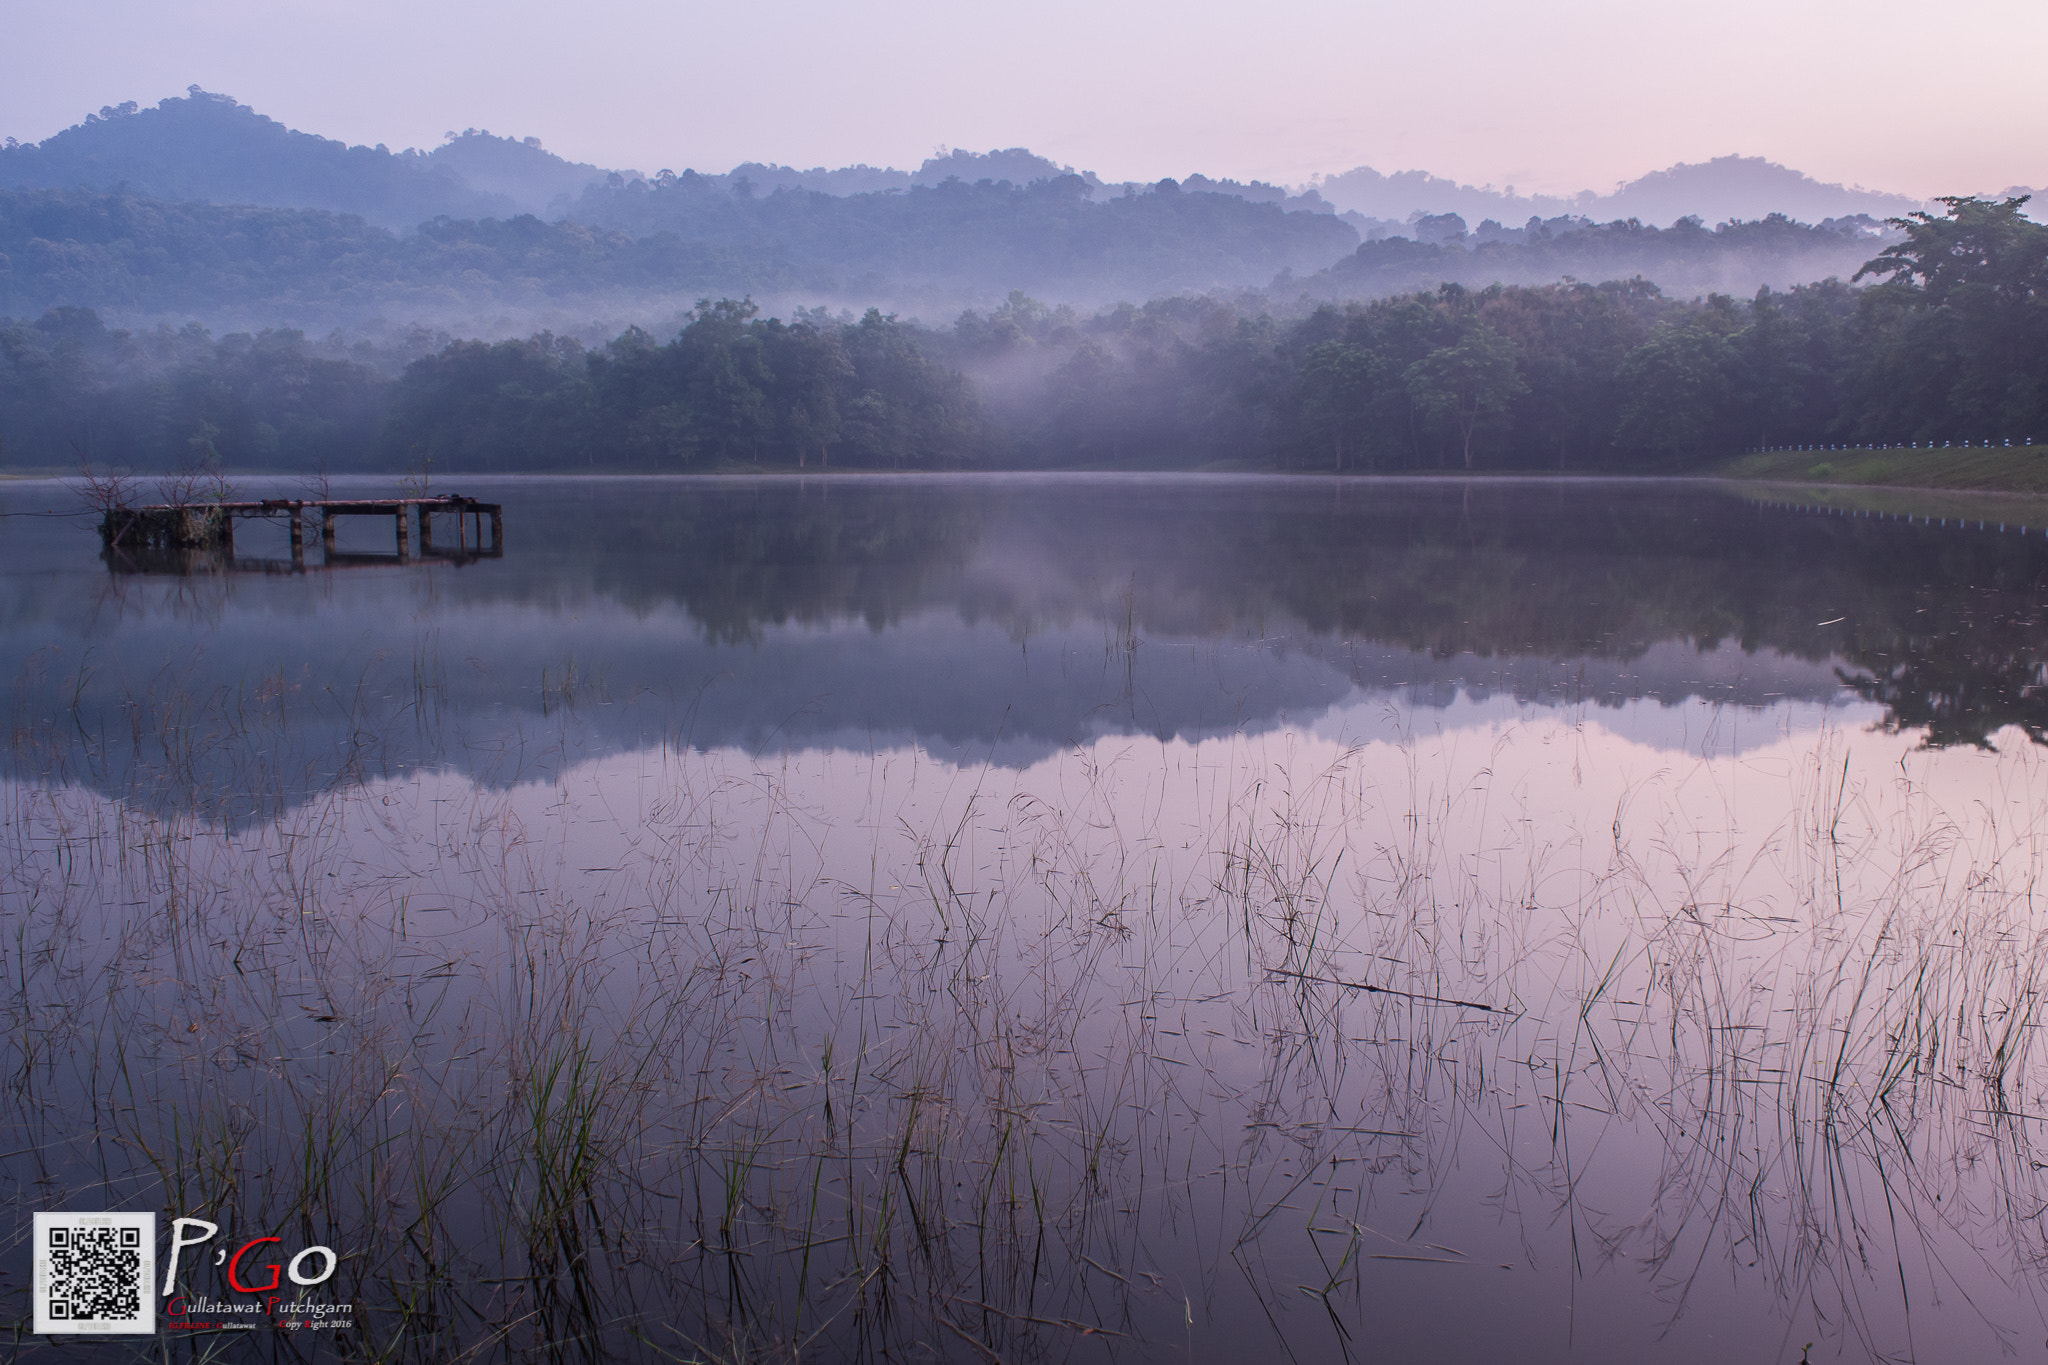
{"x":1048,"y":918}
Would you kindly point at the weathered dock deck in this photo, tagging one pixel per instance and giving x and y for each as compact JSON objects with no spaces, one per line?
{"x":157,"y":535}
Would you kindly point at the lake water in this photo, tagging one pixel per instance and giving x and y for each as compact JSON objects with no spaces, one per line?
{"x":1020,"y":918}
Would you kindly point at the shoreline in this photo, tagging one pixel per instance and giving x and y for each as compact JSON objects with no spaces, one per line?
{"x":1988,"y":481}
{"x":2021,"y":470}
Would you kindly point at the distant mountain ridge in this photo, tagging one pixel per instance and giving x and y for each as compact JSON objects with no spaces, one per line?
{"x":200,"y":206}
{"x":209,"y":148}
{"x":1725,"y":189}
{"x":523,"y":173}
{"x":206,"y":147}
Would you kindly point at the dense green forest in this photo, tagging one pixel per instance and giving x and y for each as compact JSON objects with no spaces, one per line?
{"x":1949,"y":342}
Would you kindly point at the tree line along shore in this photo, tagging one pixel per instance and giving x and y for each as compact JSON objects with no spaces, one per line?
{"x":1939,"y":340}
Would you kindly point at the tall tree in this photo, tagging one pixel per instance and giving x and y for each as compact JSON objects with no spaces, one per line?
{"x":1468,"y":382}
{"x":1960,"y":323}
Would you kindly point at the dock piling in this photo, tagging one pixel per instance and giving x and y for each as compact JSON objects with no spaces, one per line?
{"x":136,"y":534}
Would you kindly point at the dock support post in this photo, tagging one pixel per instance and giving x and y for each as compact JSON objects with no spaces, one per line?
{"x":227,"y":532}
{"x":298,"y":538}
{"x":497,"y":530}
{"x":404,"y":536}
{"x":426,"y":529}
{"x":327,"y":534}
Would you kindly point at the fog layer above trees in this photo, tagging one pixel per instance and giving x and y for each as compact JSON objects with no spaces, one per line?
{"x":1948,"y":345}
{"x":929,"y":252}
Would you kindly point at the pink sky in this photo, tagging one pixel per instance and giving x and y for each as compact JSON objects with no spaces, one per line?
{"x":1554,"y":97}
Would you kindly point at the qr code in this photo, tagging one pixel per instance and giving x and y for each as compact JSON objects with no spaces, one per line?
{"x":93,"y":1273}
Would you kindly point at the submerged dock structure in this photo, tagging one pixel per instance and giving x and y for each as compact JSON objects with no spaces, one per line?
{"x":187,"y":537}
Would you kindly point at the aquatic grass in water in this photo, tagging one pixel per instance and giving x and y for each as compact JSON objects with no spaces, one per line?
{"x":722,"y":1055}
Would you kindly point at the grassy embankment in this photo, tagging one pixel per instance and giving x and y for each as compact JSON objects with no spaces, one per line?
{"x":1982,"y":482}
{"x":1993,"y":469}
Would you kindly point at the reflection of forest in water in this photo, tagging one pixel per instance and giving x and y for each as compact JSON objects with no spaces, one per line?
{"x":1943,"y":626}
{"x":1555,"y":591}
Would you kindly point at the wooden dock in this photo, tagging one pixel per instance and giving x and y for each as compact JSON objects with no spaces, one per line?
{"x":171,"y":537}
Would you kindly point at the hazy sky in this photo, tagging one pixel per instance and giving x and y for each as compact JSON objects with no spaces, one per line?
{"x":1565,"y":95}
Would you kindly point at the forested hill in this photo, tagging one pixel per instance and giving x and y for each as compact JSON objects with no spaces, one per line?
{"x":932,"y":250}
{"x":1720,"y":190}
{"x":201,"y":208}
{"x":228,"y":265}
{"x":207,"y":147}
{"x":1047,"y":237}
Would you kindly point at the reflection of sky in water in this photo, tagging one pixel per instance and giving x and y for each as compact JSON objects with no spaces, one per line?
{"x":618,"y":679}
{"x":1694,"y":725}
